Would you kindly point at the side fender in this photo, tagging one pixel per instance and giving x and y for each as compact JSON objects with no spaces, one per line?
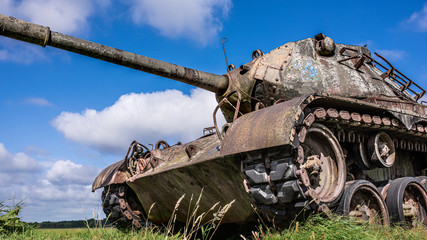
{"x":268,"y":127}
{"x":113,"y":174}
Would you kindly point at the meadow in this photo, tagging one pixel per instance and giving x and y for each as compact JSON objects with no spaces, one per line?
{"x":315,"y":227}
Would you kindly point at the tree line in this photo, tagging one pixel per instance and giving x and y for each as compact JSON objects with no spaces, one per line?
{"x":92,"y":223}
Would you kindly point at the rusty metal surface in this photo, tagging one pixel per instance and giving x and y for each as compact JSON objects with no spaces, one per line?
{"x":202,"y":149}
{"x":408,"y":112}
{"x":401,"y":79}
{"x":273,"y":126}
{"x":239,"y":81}
{"x":264,"y":128}
{"x":112,"y":174}
{"x":40,"y":35}
{"x":302,"y":71}
{"x":220,"y":179}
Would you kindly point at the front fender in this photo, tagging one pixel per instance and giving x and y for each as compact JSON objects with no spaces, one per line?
{"x":113,"y":174}
{"x":268,"y":127}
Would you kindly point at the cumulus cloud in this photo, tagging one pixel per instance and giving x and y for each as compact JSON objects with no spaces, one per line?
{"x":69,"y":172}
{"x":392,"y":54}
{"x":67,"y":16}
{"x":145,"y":117}
{"x":44,"y":201}
{"x":54,"y":194}
{"x":19,"y":162}
{"x":36,"y":101}
{"x":48,"y":191}
{"x":199,"y":20}
{"x":418,"y":20}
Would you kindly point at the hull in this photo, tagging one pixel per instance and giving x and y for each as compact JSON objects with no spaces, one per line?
{"x":218,"y":180}
{"x":260,"y":163}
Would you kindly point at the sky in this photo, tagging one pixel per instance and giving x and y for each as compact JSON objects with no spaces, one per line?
{"x":65,"y":117}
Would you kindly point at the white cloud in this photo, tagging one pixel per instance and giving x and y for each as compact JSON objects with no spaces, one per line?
{"x":52,"y":195}
{"x":20,"y":162}
{"x":393,"y":55}
{"x":66,"y":16}
{"x":145,"y":117}
{"x":418,"y":20}
{"x":36,"y":101}
{"x":44,"y":201}
{"x":54,"y":192}
{"x":68,"y":172}
{"x":199,"y":20}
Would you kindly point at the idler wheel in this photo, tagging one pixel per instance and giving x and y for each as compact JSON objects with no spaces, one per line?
{"x":381,"y":150}
{"x":407,"y":201}
{"x":362,"y":201}
{"x":327,"y":176}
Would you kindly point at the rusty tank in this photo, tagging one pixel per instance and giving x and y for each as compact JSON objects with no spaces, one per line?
{"x":311,"y":126}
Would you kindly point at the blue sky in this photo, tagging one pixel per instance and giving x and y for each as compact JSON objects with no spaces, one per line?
{"x":64,"y":117}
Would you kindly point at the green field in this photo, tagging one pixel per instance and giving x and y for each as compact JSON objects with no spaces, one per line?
{"x":84,"y":233}
{"x":314,"y":228}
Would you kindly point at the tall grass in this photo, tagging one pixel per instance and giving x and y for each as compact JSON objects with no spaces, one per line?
{"x":10,"y":221}
{"x":199,"y":224}
{"x":204,"y":225}
{"x":338,"y":227}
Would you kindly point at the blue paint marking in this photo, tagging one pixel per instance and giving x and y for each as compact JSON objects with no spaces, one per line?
{"x":307,"y":68}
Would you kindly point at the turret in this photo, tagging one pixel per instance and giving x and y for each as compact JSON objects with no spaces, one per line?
{"x":310,"y":66}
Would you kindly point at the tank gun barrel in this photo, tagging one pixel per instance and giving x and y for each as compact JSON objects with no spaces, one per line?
{"x":41,"y":35}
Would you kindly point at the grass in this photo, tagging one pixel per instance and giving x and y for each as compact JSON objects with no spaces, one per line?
{"x":205,"y":225}
{"x":83,"y":233}
{"x":337,"y":227}
{"x":9,"y":219}
{"x":315,"y":227}
{"x":199,"y":225}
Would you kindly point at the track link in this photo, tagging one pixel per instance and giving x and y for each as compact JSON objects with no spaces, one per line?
{"x":121,"y":206}
{"x":277,"y":178}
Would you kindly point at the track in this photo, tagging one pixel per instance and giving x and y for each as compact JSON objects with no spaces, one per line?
{"x":334,"y":165}
{"x":121,"y":207}
{"x":334,"y":157}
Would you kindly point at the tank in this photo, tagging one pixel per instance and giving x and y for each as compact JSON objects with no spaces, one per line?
{"x":312,"y":126}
